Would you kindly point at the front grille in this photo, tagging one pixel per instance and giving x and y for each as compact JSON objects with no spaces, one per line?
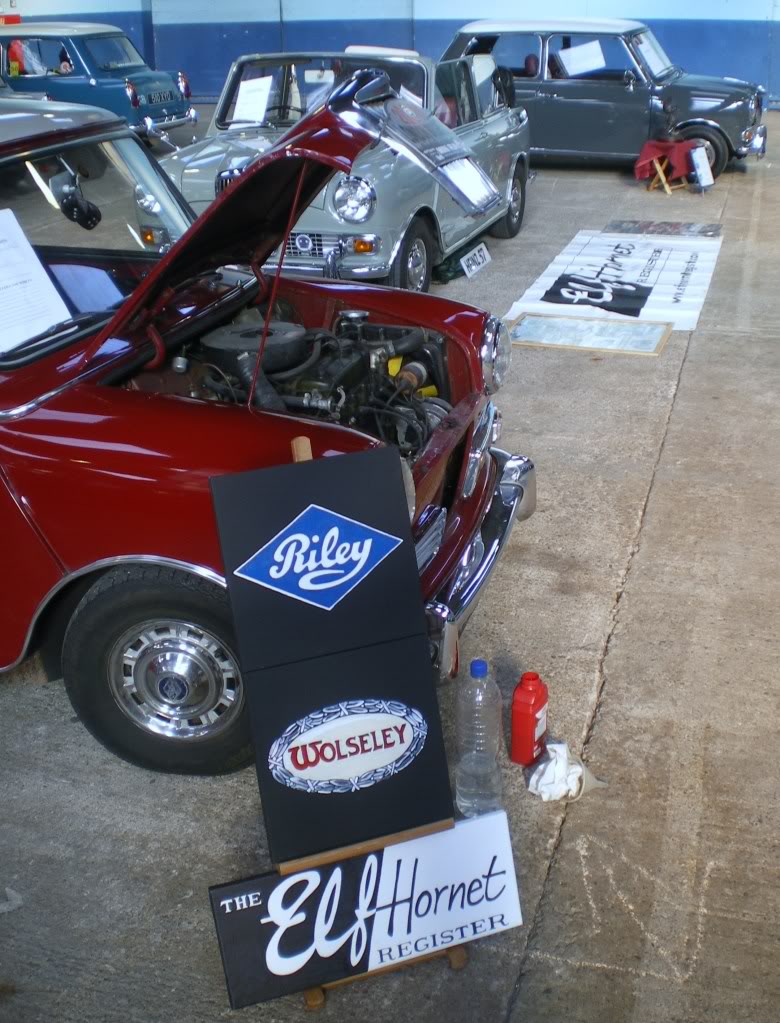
{"x":311,"y":244}
{"x":226,"y":178}
{"x":427,"y":547}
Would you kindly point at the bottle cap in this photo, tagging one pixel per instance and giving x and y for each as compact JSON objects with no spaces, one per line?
{"x":530,"y":679}
{"x":479,"y":669}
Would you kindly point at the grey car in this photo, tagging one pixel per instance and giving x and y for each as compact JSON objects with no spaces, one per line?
{"x":389,"y":220}
{"x":599,"y":89}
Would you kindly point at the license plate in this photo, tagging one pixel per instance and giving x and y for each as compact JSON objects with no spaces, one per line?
{"x":475,"y":260}
{"x":160,"y":97}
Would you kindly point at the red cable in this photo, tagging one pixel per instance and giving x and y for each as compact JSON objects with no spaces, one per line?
{"x":272,"y":301}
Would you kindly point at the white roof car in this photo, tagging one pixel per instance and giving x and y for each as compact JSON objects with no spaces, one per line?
{"x":554,"y":25}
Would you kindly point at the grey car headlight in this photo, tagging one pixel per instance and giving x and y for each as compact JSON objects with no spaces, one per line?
{"x":354,"y":200}
{"x":496,"y":353}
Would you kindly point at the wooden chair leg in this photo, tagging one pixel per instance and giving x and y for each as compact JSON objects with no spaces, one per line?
{"x":314,"y":998}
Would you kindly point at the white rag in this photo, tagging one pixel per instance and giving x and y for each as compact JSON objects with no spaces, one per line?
{"x":560,"y":774}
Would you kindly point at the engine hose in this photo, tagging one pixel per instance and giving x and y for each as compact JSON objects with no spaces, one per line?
{"x":265,"y":395}
{"x":411,"y":342}
{"x":288,"y":374}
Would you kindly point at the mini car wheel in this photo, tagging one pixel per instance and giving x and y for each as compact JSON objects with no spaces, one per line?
{"x":414,"y":262}
{"x":716,"y":148}
{"x":509,"y":225}
{"x":150,"y":668}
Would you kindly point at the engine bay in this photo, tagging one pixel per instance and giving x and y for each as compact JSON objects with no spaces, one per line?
{"x":386,"y":380}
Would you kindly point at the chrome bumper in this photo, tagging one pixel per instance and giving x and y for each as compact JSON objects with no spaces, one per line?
{"x":155,"y":126}
{"x":309,"y":268}
{"x":755,"y":142}
{"x":514,"y":499}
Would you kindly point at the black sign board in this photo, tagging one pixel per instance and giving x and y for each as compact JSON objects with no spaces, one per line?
{"x":334,"y":651}
{"x":283,"y":934}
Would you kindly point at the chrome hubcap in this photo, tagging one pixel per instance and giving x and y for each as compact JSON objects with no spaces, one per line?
{"x":514,"y":200}
{"x":176,"y":680}
{"x":416,"y":265}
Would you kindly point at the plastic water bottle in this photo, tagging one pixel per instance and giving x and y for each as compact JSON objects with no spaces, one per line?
{"x":478,"y":723}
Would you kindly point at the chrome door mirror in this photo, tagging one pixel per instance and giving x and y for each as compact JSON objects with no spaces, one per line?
{"x":629,"y":78}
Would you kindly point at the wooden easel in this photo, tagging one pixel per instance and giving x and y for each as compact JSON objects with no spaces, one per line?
{"x":661,"y":166}
{"x":458,"y":956}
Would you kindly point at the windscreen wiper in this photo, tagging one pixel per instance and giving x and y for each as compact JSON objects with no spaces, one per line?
{"x":73,"y":323}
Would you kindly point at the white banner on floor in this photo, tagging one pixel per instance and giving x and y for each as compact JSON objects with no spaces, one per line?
{"x":657,"y":277}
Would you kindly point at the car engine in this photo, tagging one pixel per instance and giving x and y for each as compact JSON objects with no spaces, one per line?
{"x":388,"y":381}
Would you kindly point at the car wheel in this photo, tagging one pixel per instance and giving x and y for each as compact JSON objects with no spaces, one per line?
{"x":714,"y":145}
{"x":414,"y":262}
{"x":150,"y":667}
{"x":509,"y":225}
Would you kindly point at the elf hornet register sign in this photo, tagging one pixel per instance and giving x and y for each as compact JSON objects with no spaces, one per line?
{"x":334,"y":651}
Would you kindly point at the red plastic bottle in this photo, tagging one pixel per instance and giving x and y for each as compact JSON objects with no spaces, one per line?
{"x":529,"y":719}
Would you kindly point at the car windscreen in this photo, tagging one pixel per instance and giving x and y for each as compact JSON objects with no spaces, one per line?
{"x":79,"y":226}
{"x":652,"y":53}
{"x":110,"y":53}
{"x":280,"y":94}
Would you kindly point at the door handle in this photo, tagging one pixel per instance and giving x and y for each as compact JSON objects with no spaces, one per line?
{"x":555,"y":95}
{"x":484,"y":135}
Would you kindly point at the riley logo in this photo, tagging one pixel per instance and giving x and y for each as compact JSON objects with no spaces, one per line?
{"x":348,"y":746}
{"x":319,"y":557}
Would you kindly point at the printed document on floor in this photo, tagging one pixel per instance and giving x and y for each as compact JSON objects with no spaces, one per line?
{"x":657,"y":278}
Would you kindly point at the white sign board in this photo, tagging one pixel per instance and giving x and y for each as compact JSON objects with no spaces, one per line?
{"x":701,"y":167}
{"x":579,"y":60}
{"x":252,"y":99}
{"x":29,"y":302}
{"x":283,"y":934}
{"x":658,"y":278}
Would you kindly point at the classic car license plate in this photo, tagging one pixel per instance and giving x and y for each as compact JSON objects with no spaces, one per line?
{"x":475,"y":260}
{"x":160,"y":97}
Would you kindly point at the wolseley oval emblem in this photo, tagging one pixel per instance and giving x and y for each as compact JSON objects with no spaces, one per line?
{"x":348,"y":746}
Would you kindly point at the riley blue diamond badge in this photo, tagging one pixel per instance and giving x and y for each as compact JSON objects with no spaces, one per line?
{"x":319,"y":557}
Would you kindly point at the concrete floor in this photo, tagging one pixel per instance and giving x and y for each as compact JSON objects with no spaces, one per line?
{"x":645,"y":592}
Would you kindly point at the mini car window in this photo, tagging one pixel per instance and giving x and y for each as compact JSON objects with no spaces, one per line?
{"x":589,"y":58}
{"x":112,"y":53}
{"x":24,"y":58}
{"x":454,"y":103}
{"x":521,"y":52}
{"x":490,"y":88}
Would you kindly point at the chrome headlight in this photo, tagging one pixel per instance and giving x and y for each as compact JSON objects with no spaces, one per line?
{"x":496,"y":353}
{"x":354,"y":200}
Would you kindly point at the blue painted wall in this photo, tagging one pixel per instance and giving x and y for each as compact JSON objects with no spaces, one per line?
{"x":725,"y":37}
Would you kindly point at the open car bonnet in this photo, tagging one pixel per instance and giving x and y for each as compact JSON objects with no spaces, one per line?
{"x":248,"y":221}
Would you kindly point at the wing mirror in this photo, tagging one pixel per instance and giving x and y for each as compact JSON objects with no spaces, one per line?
{"x":629,"y":79}
{"x":66,"y":189}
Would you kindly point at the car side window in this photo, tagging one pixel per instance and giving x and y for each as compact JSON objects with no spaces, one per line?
{"x":454,"y":103}
{"x":23,"y":57}
{"x":521,"y":52}
{"x":589,"y":58}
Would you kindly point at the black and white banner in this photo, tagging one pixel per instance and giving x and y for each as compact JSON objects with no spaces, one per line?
{"x":658,"y":278}
{"x":283,"y":934}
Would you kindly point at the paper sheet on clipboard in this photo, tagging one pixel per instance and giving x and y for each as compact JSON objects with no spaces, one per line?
{"x":29,"y":302}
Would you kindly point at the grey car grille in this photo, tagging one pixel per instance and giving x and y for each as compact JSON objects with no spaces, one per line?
{"x":226,"y":178}
{"x":312,"y":244}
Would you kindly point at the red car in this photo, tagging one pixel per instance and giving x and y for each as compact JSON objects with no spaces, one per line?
{"x":129,"y":375}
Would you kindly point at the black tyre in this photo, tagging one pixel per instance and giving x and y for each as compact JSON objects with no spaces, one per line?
{"x":414,"y":262}
{"x":715,"y":145}
{"x":509,"y":225}
{"x":150,"y":667}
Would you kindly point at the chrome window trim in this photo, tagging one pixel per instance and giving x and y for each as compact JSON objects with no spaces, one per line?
{"x":106,"y":563}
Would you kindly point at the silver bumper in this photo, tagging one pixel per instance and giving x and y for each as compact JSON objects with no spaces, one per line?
{"x":311,"y":268}
{"x":154,"y":127}
{"x":514,"y":499}
{"x":754,"y":142}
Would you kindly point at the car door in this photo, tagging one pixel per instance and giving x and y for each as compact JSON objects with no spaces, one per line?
{"x":455,"y":105}
{"x":596,"y":100}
